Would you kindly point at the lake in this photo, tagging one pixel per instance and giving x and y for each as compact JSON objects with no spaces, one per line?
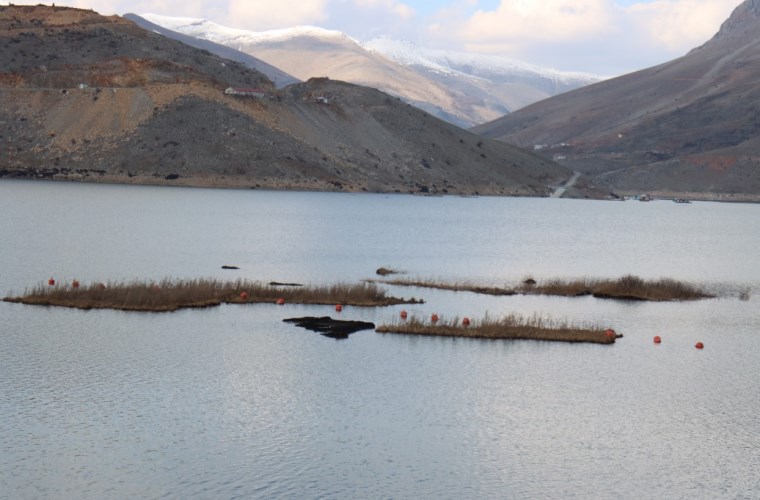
{"x":231,"y":402}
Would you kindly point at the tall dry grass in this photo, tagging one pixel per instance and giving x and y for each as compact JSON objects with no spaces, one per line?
{"x":634,"y":288}
{"x":460,"y":286}
{"x":513,"y":326}
{"x":625,"y":288}
{"x":170,"y":295}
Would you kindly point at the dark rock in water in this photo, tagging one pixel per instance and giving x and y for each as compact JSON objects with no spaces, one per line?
{"x":384,"y":271}
{"x":230,"y":267}
{"x":333,"y":328}
{"x":277,"y":283}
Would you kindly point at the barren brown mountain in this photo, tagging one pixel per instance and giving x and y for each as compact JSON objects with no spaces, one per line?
{"x":96,"y":98}
{"x":690,"y":127}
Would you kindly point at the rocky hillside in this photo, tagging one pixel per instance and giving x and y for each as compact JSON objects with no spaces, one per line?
{"x":97,"y":98}
{"x":690,"y":127}
{"x":278,"y":77}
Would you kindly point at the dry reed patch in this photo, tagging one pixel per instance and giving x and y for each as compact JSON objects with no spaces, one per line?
{"x":170,"y":295}
{"x":634,"y":288}
{"x":513,"y":326}
{"x":442,"y":285}
{"x":624,"y":288}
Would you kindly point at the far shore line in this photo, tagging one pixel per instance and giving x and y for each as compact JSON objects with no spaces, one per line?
{"x":278,"y":185}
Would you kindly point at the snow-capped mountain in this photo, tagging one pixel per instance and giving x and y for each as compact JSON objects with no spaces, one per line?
{"x":209,"y":30}
{"x":279,"y":77}
{"x":464,"y":89}
{"x":483,"y":66}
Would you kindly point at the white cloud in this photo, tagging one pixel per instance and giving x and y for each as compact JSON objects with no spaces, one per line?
{"x":608,"y":38}
{"x":398,"y":9}
{"x":265,"y":14}
{"x":679,"y":25}
{"x":524,"y":21}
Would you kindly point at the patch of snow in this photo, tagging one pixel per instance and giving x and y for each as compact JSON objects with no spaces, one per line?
{"x":452,"y":62}
{"x":208,"y":30}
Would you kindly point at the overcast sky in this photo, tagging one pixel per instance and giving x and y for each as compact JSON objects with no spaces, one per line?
{"x":605,"y":37}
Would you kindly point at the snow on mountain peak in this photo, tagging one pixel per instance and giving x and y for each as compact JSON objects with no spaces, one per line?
{"x":444,"y":61}
{"x":203,"y":28}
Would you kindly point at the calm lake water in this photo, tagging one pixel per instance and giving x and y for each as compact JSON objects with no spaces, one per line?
{"x":231,"y":402}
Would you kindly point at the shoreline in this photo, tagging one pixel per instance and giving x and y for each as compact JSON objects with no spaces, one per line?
{"x":317,"y":186}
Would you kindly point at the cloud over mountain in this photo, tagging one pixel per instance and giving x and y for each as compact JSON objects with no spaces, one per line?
{"x":595,"y":36}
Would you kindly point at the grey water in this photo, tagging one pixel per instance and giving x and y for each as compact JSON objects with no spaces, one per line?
{"x":231,"y":402}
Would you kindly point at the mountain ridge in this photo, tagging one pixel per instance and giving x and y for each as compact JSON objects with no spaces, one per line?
{"x":99,"y":99}
{"x":460,"y":98}
{"x":688,"y":127}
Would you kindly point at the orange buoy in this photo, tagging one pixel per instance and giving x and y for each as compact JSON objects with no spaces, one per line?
{"x":75,"y":284}
{"x":657,"y":339}
{"x":434,"y":318}
{"x":403,"y":314}
{"x":699,"y":345}
{"x":244,"y":295}
{"x":51,"y":282}
{"x":338,"y":308}
{"x":466,"y":321}
{"x":280,"y":301}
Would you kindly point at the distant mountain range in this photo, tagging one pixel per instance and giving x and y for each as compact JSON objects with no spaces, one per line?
{"x":460,"y":88}
{"x":93,"y":98}
{"x":687,"y":127}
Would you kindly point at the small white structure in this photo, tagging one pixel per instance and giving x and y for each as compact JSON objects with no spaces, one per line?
{"x":246,"y":92}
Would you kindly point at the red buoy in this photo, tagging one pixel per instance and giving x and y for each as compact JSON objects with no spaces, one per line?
{"x":244,"y":295}
{"x":403,"y":314}
{"x":75,"y":284}
{"x":466,"y":321}
{"x":657,"y":339}
{"x":280,"y":301}
{"x":700,"y":345}
{"x":434,"y":318}
{"x":338,"y":308}
{"x":51,"y":282}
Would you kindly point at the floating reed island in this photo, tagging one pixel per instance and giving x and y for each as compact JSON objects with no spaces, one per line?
{"x":170,"y":295}
{"x":513,"y":326}
{"x":625,"y":288}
